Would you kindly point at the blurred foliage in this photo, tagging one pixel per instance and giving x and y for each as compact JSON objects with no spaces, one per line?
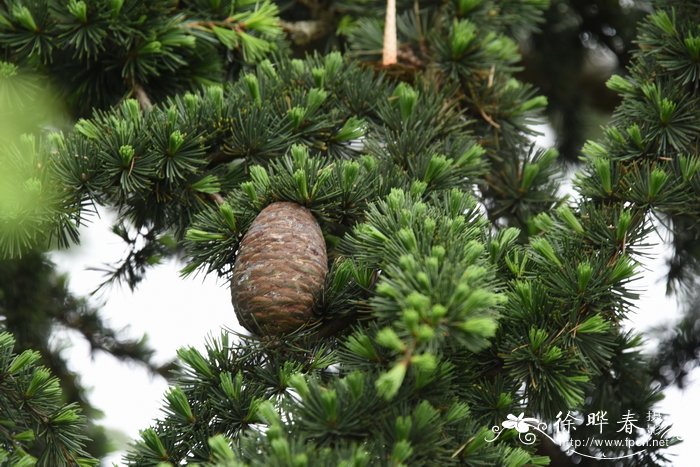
{"x":577,"y":48}
{"x":35,"y":301}
{"x":678,"y":351}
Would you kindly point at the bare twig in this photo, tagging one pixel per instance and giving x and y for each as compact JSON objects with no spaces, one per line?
{"x":488,"y":118}
{"x":217,"y":198}
{"x":228,"y":23}
{"x":141,"y":96}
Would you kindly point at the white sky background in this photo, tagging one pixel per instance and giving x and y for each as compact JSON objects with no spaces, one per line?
{"x":172,"y":311}
{"x":177,"y":312}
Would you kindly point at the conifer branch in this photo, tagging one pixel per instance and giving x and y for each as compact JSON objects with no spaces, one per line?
{"x":33,"y":410}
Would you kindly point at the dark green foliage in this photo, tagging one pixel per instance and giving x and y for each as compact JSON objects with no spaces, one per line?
{"x":33,"y":415}
{"x":100,"y":52}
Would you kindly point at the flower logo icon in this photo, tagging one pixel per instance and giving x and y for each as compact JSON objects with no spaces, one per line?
{"x":520,"y":423}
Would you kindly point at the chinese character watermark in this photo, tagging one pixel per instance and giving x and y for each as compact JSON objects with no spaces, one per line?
{"x":568,"y":422}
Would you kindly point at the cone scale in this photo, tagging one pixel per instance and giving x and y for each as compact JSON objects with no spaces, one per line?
{"x":280,"y":270}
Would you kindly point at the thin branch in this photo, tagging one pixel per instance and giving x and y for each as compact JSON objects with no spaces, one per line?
{"x":228,"y":23}
{"x":142,"y":98}
{"x":217,"y":198}
{"x":488,"y":118}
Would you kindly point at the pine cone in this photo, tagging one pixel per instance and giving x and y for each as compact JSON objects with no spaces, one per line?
{"x":279,"y":271}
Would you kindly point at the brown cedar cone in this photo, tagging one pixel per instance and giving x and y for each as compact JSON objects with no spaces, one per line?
{"x":279,"y":271}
